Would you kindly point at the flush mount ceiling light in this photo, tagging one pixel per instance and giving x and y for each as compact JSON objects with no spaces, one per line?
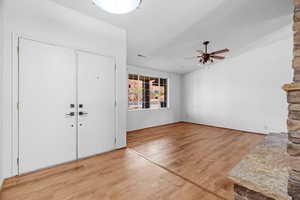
{"x":118,"y":6}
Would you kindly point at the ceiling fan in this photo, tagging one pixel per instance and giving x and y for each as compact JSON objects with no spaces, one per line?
{"x":206,"y":57}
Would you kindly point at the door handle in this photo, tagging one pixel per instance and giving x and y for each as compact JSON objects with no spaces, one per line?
{"x":71,"y":114}
{"x":83,"y":113}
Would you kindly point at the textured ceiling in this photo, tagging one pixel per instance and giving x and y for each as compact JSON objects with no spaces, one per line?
{"x":167,"y":31}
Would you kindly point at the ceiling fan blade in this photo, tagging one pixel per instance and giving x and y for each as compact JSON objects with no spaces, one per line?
{"x":194,"y":57}
{"x":218,"y":57}
{"x":200,"y":51}
{"x":221,"y":51}
{"x":190,"y":58}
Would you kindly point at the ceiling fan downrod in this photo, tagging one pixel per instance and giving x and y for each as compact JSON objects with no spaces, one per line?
{"x":206,"y":44}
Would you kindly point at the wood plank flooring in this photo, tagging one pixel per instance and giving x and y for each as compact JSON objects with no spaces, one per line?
{"x":180,"y":161}
{"x":202,"y":154}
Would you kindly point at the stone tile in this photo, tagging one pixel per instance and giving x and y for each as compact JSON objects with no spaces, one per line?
{"x":293,"y":97}
{"x":293,"y":127}
{"x":294,"y":175}
{"x":296,"y":75}
{"x":296,"y":60}
{"x":296,"y":2}
{"x":293,"y":149}
{"x":242,"y":193}
{"x":297,"y":33}
{"x":295,"y":107}
{"x":294,"y":135}
{"x":240,"y":190}
{"x":296,"y":26}
{"x":297,"y":17}
{"x":294,"y":163}
{"x":296,"y":50}
{"x":239,"y":197}
{"x":294,"y":115}
{"x":294,"y":189}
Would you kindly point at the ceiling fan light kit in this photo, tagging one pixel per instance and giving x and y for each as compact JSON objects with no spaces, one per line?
{"x":118,"y":6}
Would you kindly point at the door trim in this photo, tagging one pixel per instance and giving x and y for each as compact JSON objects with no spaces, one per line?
{"x":15,"y":38}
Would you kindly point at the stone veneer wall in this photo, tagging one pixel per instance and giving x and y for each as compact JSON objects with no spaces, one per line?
{"x":242,"y":193}
{"x":293,"y":93}
{"x":293,"y":124}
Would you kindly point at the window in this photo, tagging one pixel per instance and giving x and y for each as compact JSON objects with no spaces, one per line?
{"x":146,"y":92}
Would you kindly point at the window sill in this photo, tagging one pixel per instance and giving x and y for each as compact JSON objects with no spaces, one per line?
{"x":149,"y":109}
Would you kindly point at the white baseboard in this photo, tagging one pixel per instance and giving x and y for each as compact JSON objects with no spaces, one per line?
{"x":232,"y":128}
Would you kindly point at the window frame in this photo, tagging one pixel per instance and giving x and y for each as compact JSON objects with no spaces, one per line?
{"x":150,"y":76}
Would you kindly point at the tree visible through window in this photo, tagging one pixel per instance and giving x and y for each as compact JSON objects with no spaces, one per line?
{"x":146,"y":92}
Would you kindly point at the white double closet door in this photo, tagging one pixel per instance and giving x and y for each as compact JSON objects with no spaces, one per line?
{"x":66,"y":105}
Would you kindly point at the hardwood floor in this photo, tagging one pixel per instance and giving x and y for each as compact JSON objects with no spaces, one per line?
{"x":179,"y":161}
{"x":202,"y":154}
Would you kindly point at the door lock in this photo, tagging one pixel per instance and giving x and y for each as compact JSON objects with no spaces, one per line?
{"x":82,"y":113}
{"x":71,"y":114}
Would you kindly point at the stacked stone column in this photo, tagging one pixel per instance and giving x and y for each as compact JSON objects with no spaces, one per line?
{"x":293,"y":93}
{"x":293,"y":150}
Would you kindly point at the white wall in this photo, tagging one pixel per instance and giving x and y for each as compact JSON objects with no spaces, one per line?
{"x":244,"y":92}
{"x":1,"y":75}
{"x":140,"y":119}
{"x":49,"y":22}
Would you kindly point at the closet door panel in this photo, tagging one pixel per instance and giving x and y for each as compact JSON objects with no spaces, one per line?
{"x":96,"y":94}
{"x":47,"y":87}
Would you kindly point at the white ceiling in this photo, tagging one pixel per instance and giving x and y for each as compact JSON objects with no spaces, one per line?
{"x":167,"y":31}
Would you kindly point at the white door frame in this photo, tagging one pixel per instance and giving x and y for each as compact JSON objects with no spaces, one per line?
{"x":15,"y":93}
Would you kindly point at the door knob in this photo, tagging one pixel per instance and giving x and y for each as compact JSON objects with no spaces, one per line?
{"x":82,"y":113}
{"x":71,"y":114}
